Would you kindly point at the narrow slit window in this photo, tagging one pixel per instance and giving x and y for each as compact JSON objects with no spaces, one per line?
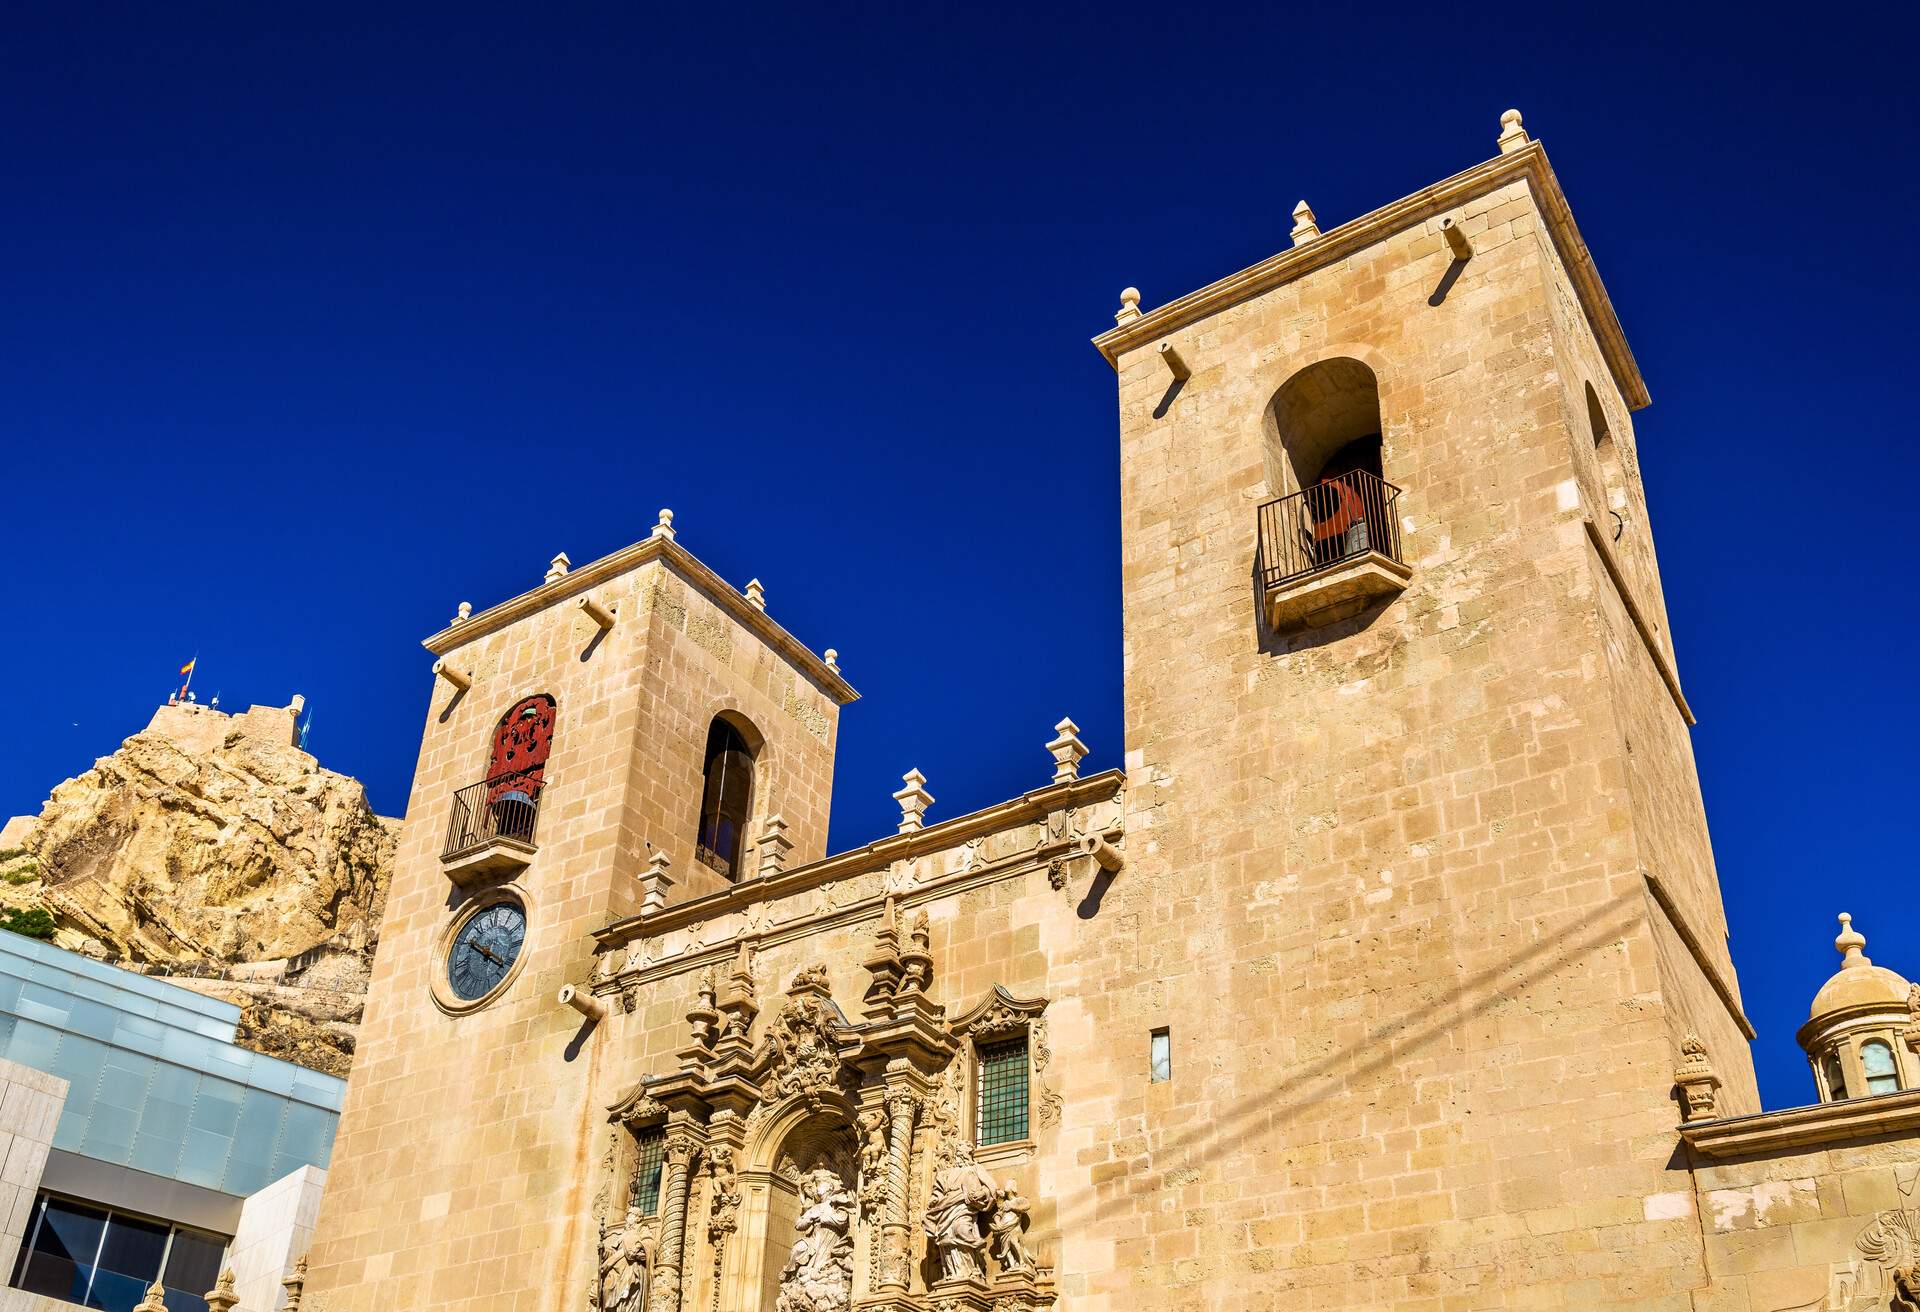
{"x":1159,"y":1056}
{"x":647,"y":1170}
{"x":1000,"y":1113}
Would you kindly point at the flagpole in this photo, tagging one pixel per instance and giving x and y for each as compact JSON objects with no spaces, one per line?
{"x":192,"y":665}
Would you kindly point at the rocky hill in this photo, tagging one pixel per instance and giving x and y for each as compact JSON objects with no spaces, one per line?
{"x":210,"y":849}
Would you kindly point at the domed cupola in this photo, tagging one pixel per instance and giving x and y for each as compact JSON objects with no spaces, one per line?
{"x":1854,"y":1031}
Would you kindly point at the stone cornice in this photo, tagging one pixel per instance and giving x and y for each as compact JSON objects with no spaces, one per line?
{"x":682,"y":562}
{"x":1529,"y":162}
{"x":1819,"y":1125}
{"x":1025,"y":809}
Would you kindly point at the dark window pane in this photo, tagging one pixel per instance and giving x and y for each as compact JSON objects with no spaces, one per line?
{"x":1002,"y":1112}
{"x":62,"y":1256}
{"x":193,"y":1267}
{"x":129,"y":1263}
{"x":646,"y":1176}
{"x":726,"y":799}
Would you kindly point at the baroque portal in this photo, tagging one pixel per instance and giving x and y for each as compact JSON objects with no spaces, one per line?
{"x":820,"y":1166}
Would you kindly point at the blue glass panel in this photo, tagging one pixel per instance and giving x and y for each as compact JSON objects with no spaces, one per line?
{"x":157,"y":1153}
{"x":217,"y":1109}
{"x":123,"y":1081}
{"x":109,"y":1135}
{"x":48,"y":1006}
{"x":34,"y":1045}
{"x":204,"y":1161}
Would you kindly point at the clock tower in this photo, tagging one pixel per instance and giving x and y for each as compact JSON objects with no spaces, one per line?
{"x":617,"y":735}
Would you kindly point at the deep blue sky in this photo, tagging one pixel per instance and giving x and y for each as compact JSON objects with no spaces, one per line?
{"x":311,"y":332}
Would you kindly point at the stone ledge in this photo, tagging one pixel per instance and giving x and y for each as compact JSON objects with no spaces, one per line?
{"x":1300,"y":602}
{"x":496,"y":856}
{"x":1822,"y":1124}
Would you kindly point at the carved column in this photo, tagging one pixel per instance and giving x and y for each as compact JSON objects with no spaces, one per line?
{"x":902,"y":1104}
{"x":680,"y":1147}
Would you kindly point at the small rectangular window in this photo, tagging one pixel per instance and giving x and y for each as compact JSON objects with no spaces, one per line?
{"x":647,"y":1170}
{"x":1001,"y":1106}
{"x":1159,"y":1056}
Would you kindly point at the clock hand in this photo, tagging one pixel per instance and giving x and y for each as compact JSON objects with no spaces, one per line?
{"x":483,"y":952}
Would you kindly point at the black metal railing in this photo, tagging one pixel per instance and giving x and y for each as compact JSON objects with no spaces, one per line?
{"x":1347,"y":516}
{"x":505,"y":806}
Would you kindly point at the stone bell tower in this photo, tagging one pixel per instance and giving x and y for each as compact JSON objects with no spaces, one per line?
{"x":631,"y":733}
{"x":1410,"y":782}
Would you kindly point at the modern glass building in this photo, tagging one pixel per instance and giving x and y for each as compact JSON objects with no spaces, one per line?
{"x":167,"y":1130}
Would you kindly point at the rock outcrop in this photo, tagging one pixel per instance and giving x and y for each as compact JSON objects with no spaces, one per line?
{"x":212,"y":849}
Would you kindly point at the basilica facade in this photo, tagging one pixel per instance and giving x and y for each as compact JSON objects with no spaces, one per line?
{"x":1390,"y":972}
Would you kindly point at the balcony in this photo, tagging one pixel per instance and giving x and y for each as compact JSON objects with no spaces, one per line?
{"x":491,"y":830}
{"x":1328,"y":551}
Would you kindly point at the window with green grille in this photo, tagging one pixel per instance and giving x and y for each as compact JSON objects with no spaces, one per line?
{"x":1000,"y":1112}
{"x":646,"y":1175}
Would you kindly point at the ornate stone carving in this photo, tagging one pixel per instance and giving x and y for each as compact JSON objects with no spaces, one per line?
{"x":1009,"y":1229}
{"x":958,"y":1215}
{"x":818,"y":1276}
{"x":998,"y":1014}
{"x":624,"y":1262}
{"x":873,"y":1161}
{"x":803,"y":1043}
{"x":1699,"y":1086}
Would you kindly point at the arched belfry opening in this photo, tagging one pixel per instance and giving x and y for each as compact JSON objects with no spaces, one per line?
{"x":726,"y":794}
{"x":1325,"y":421}
{"x":1324,"y":456}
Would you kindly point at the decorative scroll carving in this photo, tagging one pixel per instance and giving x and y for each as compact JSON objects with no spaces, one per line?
{"x":999,"y":1013}
{"x":818,"y":1276}
{"x":803,"y":1043}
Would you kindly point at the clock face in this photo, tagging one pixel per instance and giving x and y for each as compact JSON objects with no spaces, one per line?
{"x":485,"y":949}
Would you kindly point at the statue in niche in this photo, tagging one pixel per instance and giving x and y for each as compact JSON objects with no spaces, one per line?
{"x":873,"y":1159}
{"x":818,"y":1276}
{"x":623,"y":1265}
{"x":1010,"y":1218}
{"x":964,"y":1196}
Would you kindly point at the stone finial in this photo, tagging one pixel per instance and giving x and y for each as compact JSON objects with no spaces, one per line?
{"x":1129,"y":306}
{"x":296,"y":1284}
{"x":914,"y":800}
{"x":1512,"y":135}
{"x":833,"y":659}
{"x":756,"y":594}
{"x":1304,"y":227}
{"x":774,"y":845}
{"x":155,"y":1301}
{"x":463,"y":612}
{"x":222,"y":1296}
{"x":654,"y":883}
{"x":664,"y":529}
{"x":1912,"y":1032}
{"x":1067,"y":750}
{"x":1699,"y":1086}
{"x":1849,"y":943}
{"x":558,"y":569}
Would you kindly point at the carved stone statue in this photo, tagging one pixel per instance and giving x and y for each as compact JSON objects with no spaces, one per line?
{"x":623,"y":1265}
{"x":818,"y":1276}
{"x":873,"y":1159}
{"x":1010,"y":1217}
{"x":957,"y":1215}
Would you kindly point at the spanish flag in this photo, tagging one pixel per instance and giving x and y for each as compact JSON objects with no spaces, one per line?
{"x":188,"y":667}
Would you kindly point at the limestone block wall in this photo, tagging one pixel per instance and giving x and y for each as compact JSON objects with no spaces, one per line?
{"x":30,"y":1103}
{"x":1402,"y":847}
{"x":462,"y":1160}
{"x":1822,"y":1221}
